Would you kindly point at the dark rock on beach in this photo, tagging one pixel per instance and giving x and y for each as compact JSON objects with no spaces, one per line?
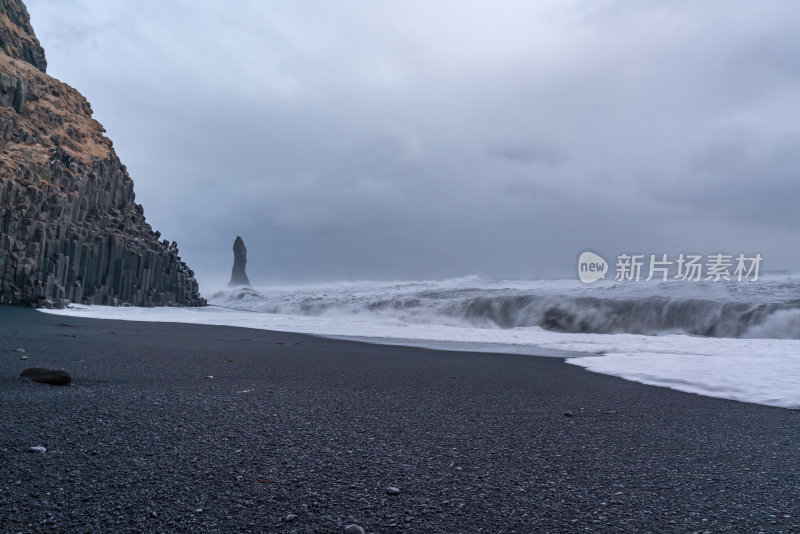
{"x":238,"y":274}
{"x":53,"y":377}
{"x":70,"y":229}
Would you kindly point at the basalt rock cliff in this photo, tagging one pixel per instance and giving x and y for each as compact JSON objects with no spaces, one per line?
{"x":70,"y":230}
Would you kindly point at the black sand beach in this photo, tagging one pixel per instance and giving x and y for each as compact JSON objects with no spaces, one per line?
{"x":300,"y":434}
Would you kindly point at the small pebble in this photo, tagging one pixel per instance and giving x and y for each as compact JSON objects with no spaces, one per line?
{"x":391,"y":490}
{"x":23,"y":357}
{"x":20,"y":350}
{"x":209,"y":376}
{"x":568,"y":414}
{"x":198,"y":511}
{"x":37,"y":448}
{"x":353,"y":529}
{"x":289,"y":517}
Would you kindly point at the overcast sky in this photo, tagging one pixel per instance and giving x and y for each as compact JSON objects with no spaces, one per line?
{"x":431,"y":139}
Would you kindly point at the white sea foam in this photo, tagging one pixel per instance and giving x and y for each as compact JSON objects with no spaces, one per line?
{"x":750,"y":351}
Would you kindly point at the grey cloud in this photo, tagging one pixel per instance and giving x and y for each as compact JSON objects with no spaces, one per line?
{"x":529,"y":155}
{"x":417,"y":140}
{"x":749,"y":179}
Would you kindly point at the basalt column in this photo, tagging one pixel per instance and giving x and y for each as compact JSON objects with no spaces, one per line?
{"x":70,"y":229}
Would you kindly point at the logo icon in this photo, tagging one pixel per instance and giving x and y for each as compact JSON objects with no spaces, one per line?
{"x":591,"y":267}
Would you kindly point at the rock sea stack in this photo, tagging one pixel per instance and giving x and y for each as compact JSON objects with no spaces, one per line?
{"x":238,"y":274}
{"x":70,"y":229}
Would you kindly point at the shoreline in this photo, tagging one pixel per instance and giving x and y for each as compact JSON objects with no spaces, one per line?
{"x":757,"y":370}
{"x":318,"y":428}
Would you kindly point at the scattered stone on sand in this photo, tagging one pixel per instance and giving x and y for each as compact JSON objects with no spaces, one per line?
{"x":209,"y":376}
{"x":198,"y":511}
{"x":20,"y":350}
{"x":54,"y":377}
{"x":353,"y":529}
{"x":37,"y":448}
{"x":391,"y":490}
{"x":289,"y":517}
{"x":23,"y":357}
{"x":568,"y":414}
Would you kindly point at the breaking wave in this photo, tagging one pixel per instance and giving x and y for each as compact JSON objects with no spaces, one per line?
{"x":769,"y":308}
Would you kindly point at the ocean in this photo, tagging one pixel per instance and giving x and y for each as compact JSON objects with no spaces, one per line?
{"x":735,"y":340}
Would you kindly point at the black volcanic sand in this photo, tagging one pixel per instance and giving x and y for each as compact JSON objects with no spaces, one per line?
{"x":142,"y":441}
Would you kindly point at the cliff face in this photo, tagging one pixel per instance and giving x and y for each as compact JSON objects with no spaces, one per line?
{"x":17,"y":39}
{"x":70,"y":230}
